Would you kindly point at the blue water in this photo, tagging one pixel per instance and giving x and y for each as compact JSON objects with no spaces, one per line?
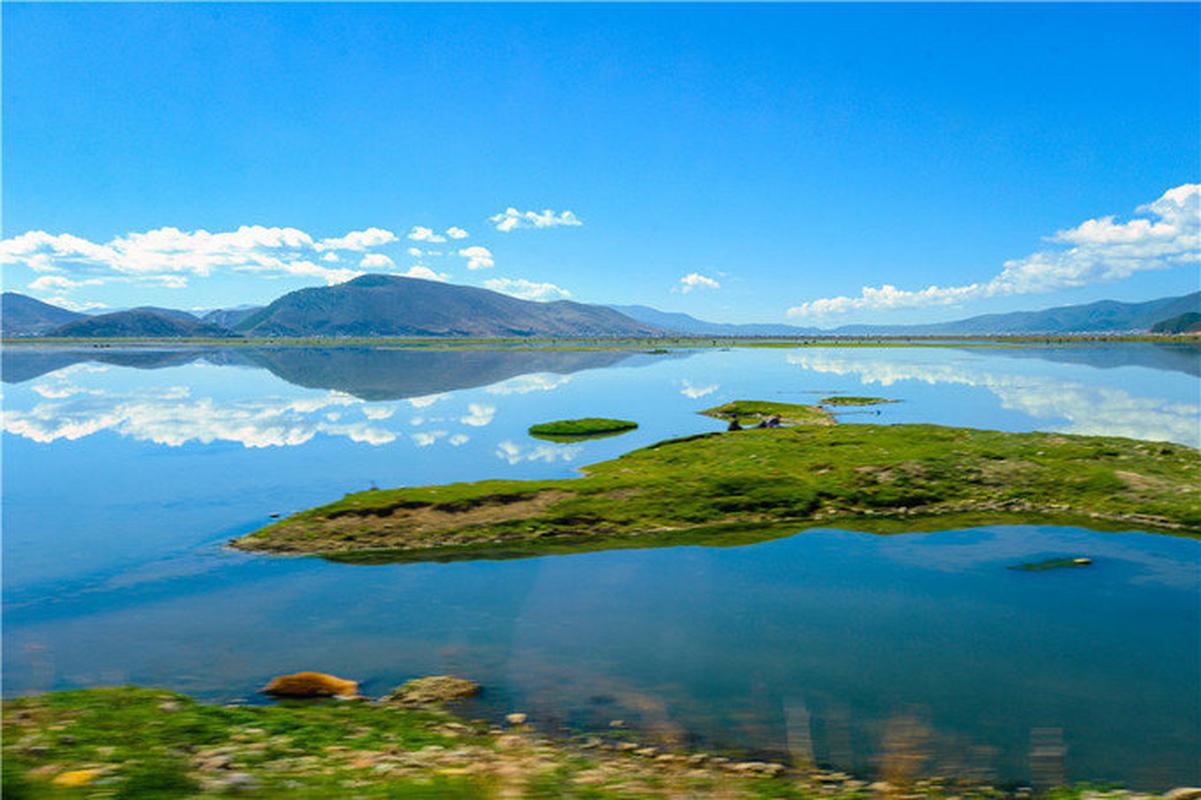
{"x":125,"y":472}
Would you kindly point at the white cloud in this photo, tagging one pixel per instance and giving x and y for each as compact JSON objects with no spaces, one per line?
{"x":72,"y":305}
{"x":456,"y":233}
{"x":524,"y":384}
{"x":694,"y":392}
{"x":527,"y":290}
{"x":425,"y":273}
{"x":459,"y":439}
{"x":170,"y":256}
{"x":59,"y":283}
{"x":358,"y":240}
{"x":695,"y":280}
{"x":421,"y":234}
{"x":376,"y":261}
{"x":477,"y":257}
{"x":1099,"y":250}
{"x":170,"y":417}
{"x":331,"y":256}
{"x":479,"y":415}
{"x":426,"y":438}
{"x":425,"y":401}
{"x":511,"y":219}
{"x":415,"y":252}
{"x":515,"y":454}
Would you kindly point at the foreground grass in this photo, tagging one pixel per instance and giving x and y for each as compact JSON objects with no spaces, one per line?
{"x":586,"y":428}
{"x":154,"y":744}
{"x":761,"y":483}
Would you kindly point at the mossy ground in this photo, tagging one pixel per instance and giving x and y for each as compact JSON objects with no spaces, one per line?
{"x":586,"y":428}
{"x":759,"y":482}
{"x":151,"y":744}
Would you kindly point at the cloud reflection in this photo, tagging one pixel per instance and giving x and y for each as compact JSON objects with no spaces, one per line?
{"x":1087,"y":410}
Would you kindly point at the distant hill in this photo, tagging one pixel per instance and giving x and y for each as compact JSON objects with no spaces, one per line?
{"x":21,"y":315}
{"x":229,"y":317}
{"x":1188,"y":322}
{"x":689,"y":325}
{"x":387,"y":305}
{"x":1105,"y":316}
{"x":141,"y":322}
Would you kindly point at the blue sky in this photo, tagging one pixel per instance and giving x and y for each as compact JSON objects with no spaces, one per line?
{"x":785,"y":156}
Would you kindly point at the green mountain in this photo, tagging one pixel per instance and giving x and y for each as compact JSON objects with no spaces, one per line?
{"x":1188,"y":322}
{"x":21,"y":315}
{"x":141,"y":323}
{"x":386,"y":305}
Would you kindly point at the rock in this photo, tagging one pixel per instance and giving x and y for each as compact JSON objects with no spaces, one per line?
{"x":76,"y":777}
{"x":433,"y":690}
{"x":1184,"y":793}
{"x":311,"y":684}
{"x":1084,"y":562}
{"x":516,"y":719}
{"x":617,"y":723}
{"x":239,"y":782}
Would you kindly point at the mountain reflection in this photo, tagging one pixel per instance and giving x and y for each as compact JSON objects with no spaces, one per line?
{"x":364,"y":372}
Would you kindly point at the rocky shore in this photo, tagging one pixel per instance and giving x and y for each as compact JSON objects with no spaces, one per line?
{"x":133,"y":742}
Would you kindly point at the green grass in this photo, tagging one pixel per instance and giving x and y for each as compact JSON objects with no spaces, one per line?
{"x":586,"y":428}
{"x":854,"y":400}
{"x":733,"y":487}
{"x":751,"y":412}
{"x":147,"y":742}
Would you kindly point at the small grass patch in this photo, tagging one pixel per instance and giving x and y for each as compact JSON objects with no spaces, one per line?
{"x":586,"y":428}
{"x":855,"y":400}
{"x":748,"y":413}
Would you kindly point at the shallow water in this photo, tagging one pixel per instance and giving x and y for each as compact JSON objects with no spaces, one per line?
{"x":125,"y":472}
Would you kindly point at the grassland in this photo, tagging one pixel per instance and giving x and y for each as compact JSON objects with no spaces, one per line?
{"x":586,"y":428}
{"x":151,"y":744}
{"x":749,"y":485}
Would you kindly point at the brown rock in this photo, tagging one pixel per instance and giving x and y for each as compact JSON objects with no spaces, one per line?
{"x":433,"y":690}
{"x":311,"y":684}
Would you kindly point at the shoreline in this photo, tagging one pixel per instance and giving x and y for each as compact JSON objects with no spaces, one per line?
{"x":115,"y":738}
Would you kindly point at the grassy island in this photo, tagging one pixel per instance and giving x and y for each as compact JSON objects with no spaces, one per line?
{"x":749,"y":413}
{"x":749,"y":485}
{"x":854,"y":400}
{"x":587,"y":428}
{"x":128,"y":743}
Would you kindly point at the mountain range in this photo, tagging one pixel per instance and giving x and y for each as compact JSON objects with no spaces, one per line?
{"x":388,"y":305}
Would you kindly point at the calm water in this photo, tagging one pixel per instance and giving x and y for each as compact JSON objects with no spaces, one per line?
{"x":125,"y":472}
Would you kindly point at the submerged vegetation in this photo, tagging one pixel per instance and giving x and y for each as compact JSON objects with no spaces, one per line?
{"x":1053,"y":563}
{"x":586,"y":428}
{"x":721,"y":488}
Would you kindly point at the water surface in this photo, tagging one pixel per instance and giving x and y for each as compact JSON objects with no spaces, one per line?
{"x":126,"y":471}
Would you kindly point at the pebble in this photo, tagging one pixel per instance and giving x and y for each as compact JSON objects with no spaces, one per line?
{"x":516,"y":719}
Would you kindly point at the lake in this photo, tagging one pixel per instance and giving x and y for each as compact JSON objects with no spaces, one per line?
{"x":126,"y":471}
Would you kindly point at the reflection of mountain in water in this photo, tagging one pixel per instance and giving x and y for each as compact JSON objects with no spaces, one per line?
{"x":1167,"y":356}
{"x":20,"y":364}
{"x":367,"y":373}
{"x":372,"y":374}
